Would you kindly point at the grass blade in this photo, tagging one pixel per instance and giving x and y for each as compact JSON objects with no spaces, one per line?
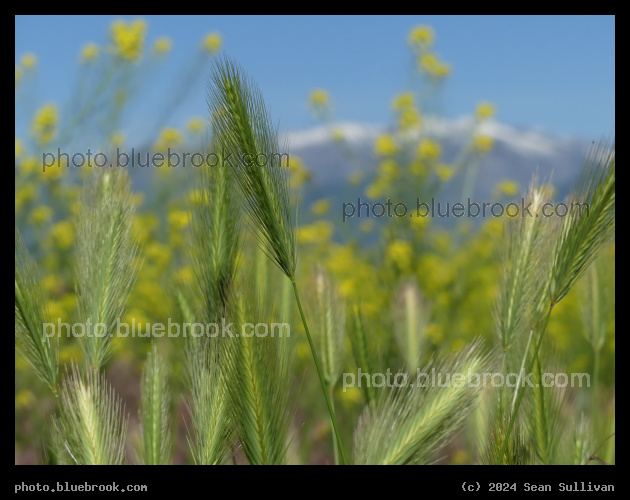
{"x":30,"y":316}
{"x":106,"y":260}
{"x":408,"y":424}
{"x":94,"y":425}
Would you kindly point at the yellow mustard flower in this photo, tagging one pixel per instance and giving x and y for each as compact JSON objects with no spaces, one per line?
{"x":482,"y":144}
{"x":128,"y":38}
{"x":29,"y":61}
{"x":376,"y":189}
{"x":442,"y":243}
{"x":24,"y":399}
{"x":403,"y":101}
{"x":184,"y":275}
{"x":69,"y":352}
{"x":347,"y":287}
{"x":319,"y":98}
{"x":421,"y":36}
{"x":196,"y":125}
{"x":45,"y":123}
{"x":320,"y":207}
{"x":68,"y":301}
{"x":62,"y":235}
{"x":389,"y":169}
{"x":196,"y":197}
{"x":30,"y":165}
{"x":19,"y":149}
{"x":117,"y":139}
{"x":213,"y":42}
{"x":435,"y":332}
{"x":144,"y":224}
{"x":18,"y":74}
{"x":158,"y":254}
{"x":408,"y":116}
{"x":318,"y":232}
{"x":342,"y":259}
{"x":56,"y":311}
{"x":89,"y":52}
{"x":24,"y":195}
{"x":428,"y":149}
{"x":54,"y":172}
{"x":432,"y":66}
{"x":41,"y":215}
{"x":169,"y":138}
{"x":136,"y":318}
{"x":385,"y":145}
{"x":420,"y":223}
{"x":52,"y":283}
{"x":436,"y":272}
{"x":508,"y":187}
{"x":399,"y":252}
{"x":178,"y":219}
{"x":493,"y":227}
{"x":163,"y":45}
{"x":444,"y":172}
{"x":298,"y":172}
{"x":485,"y":110}
{"x":409,"y":119}
{"x":419,"y":168}
{"x":350,"y":395}
{"x":337,"y":135}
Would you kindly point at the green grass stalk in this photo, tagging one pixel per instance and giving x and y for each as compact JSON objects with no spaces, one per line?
{"x":331,"y":411}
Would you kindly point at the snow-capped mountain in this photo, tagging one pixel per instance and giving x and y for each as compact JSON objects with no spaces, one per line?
{"x":517,"y":154}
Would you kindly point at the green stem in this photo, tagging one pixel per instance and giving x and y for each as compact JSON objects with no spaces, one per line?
{"x":521,"y":371}
{"x":594,"y":386}
{"x":335,"y":446}
{"x":61,"y":412}
{"x":319,"y":372}
{"x":57,"y":399}
{"x":541,"y":419}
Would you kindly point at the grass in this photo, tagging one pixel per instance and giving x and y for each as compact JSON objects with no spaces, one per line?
{"x":542,"y":274}
{"x":94,"y":424}
{"x":105,"y":261}
{"x":239,"y":393}
{"x":37,"y":348}
{"x":409,"y":425}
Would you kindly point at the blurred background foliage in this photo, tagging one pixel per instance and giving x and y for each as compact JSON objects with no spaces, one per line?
{"x":446,"y":277}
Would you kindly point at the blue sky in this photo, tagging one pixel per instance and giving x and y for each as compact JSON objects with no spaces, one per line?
{"x":555,"y":74}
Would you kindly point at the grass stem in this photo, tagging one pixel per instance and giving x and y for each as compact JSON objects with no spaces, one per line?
{"x":319,"y":373}
{"x":334,"y":440}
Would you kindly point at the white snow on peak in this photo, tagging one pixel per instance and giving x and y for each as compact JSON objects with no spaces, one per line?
{"x":525,"y":142}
